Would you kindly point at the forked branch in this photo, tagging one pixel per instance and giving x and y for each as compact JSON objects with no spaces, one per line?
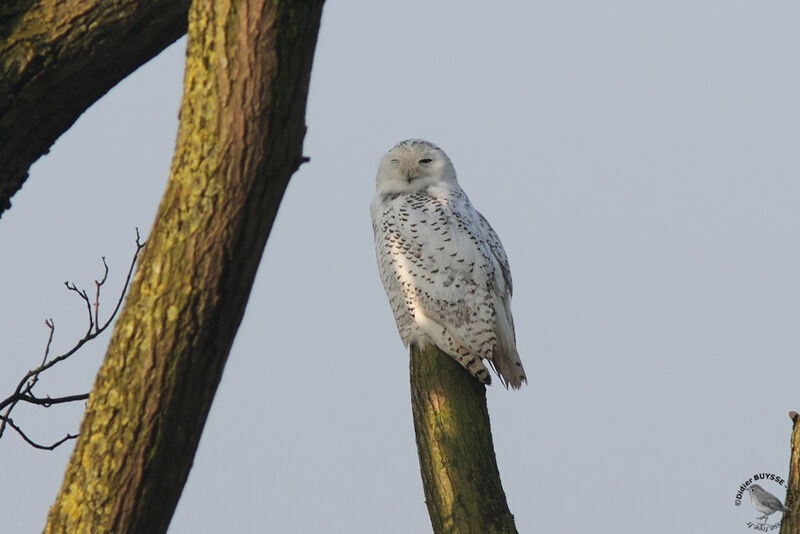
{"x":24,"y":391}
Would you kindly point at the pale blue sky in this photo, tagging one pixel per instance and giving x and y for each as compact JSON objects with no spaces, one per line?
{"x":639,"y":161}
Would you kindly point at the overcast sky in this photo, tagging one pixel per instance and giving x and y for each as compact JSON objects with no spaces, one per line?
{"x":639,"y":161}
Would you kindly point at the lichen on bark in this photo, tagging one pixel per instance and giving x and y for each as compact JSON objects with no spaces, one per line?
{"x":240,"y":139}
{"x":462,"y":484}
{"x":791,"y":521}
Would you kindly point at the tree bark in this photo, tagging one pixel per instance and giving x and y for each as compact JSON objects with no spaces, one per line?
{"x":791,"y":521}
{"x":240,"y":139}
{"x":57,"y":57}
{"x":456,"y":454}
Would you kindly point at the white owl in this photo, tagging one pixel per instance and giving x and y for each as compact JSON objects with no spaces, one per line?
{"x":443,"y":267}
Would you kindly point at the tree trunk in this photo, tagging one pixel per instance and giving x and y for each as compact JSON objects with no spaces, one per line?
{"x":791,"y":521}
{"x":454,"y":441}
{"x":240,"y":139}
{"x":57,"y":57}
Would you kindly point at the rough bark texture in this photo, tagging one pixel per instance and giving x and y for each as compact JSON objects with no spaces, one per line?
{"x":57,"y":57}
{"x":791,"y":521}
{"x":240,"y":140}
{"x":456,"y":454}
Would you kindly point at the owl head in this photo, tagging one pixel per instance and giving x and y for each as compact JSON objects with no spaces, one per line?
{"x":412,"y":165}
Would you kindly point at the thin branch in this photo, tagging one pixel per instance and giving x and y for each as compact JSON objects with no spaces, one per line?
{"x":32,"y":443}
{"x":139,"y":246}
{"x":52,"y":327}
{"x":24,"y":389}
{"x":99,"y":284}
{"x":49,"y":401}
{"x":82,"y":294}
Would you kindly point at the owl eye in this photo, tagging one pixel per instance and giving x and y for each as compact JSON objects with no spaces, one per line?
{"x":426,"y":160}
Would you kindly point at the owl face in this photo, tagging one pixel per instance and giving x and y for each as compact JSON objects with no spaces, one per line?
{"x":412,"y":165}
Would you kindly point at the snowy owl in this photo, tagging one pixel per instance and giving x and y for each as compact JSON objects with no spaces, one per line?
{"x":443,"y":267}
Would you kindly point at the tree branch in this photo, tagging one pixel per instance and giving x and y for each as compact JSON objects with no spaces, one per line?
{"x":24,"y":390}
{"x":240,"y":139}
{"x":454,"y":441}
{"x":58,"y":57}
{"x":32,"y":443}
{"x":791,"y":521}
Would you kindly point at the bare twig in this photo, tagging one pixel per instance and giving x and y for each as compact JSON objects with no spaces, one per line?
{"x":49,"y":401}
{"x":24,"y":390}
{"x":139,"y":246}
{"x":82,"y":294}
{"x":32,"y":443}
{"x":99,"y":284}
{"x":52,"y":327}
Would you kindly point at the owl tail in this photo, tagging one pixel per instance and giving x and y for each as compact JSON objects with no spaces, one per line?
{"x":505,"y":361}
{"x":448,"y":343}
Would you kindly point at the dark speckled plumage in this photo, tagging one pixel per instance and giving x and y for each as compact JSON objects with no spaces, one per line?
{"x":443,"y":267}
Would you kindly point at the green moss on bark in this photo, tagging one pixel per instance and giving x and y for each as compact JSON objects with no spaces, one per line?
{"x":791,"y":521}
{"x":235,"y":153}
{"x":454,"y":441}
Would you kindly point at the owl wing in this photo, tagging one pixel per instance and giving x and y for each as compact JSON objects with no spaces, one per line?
{"x":497,"y":249}
{"x":506,"y":360}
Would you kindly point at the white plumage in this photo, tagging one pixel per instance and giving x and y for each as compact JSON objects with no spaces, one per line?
{"x":442,"y":265}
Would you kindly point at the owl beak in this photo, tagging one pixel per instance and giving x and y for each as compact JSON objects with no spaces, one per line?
{"x":412,"y":173}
